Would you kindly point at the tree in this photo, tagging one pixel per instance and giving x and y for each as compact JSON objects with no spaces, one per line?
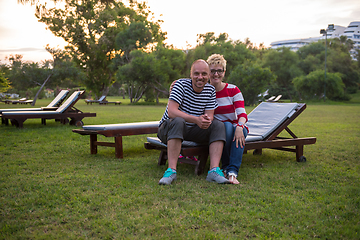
{"x":235,"y":53}
{"x":313,"y":85}
{"x":284,"y":64}
{"x":62,"y":68}
{"x":90,"y":29}
{"x":25,"y":75}
{"x":251,"y":79}
{"x":4,"y":83}
{"x":138,"y":74}
{"x":312,"y":57}
{"x":150,"y":74}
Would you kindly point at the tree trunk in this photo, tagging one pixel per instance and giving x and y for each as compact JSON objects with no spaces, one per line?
{"x":38,"y":92}
{"x":106,"y":91}
{"x":157,"y":97}
{"x":139,"y":97}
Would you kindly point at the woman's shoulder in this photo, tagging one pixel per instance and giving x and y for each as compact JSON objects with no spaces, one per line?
{"x":231,"y":86}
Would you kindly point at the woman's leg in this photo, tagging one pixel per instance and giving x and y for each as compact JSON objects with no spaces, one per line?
{"x":236,"y":154}
{"x":225,"y":158}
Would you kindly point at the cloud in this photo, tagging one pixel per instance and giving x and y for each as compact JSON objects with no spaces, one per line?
{"x":23,"y":50}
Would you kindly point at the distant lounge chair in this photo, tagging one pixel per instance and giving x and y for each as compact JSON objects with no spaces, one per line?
{"x":101,"y":101}
{"x":65,"y":111}
{"x":102,"y":98}
{"x":20,"y":101}
{"x":270,"y":99}
{"x":274,"y":100}
{"x":51,"y":106}
{"x":265,"y":123}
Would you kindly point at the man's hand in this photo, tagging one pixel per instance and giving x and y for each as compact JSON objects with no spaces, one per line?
{"x":172,"y":85}
{"x":204,"y":121}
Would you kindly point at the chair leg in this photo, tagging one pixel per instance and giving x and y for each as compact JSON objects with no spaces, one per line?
{"x":257,"y":152}
{"x":201,"y":167}
{"x":162,"y":157}
{"x":299,"y":151}
{"x":93,"y":146}
{"x":119,"y":147}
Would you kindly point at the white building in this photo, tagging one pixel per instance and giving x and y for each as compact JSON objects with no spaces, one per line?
{"x":351,"y":32}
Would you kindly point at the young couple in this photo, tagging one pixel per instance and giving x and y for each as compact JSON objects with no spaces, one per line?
{"x":205,"y":113}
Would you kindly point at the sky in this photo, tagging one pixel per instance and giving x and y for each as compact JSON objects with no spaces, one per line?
{"x":261,"y":21}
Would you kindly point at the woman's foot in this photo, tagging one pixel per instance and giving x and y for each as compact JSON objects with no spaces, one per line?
{"x":232,"y":178}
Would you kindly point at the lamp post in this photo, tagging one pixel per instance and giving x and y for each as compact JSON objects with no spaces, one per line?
{"x":323,"y":31}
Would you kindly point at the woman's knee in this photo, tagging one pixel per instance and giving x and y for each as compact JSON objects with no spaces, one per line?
{"x":229,"y":130}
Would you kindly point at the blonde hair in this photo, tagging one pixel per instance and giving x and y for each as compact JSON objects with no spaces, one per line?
{"x":217,"y":59}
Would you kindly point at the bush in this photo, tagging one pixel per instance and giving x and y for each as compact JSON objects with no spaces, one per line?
{"x":314,"y":85}
{"x":251,"y":79}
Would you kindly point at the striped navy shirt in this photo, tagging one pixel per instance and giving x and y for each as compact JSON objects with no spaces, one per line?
{"x":191,"y":102}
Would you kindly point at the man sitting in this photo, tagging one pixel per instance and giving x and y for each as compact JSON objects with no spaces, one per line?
{"x":189,"y":116}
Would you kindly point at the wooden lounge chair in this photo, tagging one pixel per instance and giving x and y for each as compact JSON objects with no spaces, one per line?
{"x":274,"y":99}
{"x":102,"y":98}
{"x":105,"y":102}
{"x":20,"y":101}
{"x":101,"y":101}
{"x":117,"y":131}
{"x":51,"y":106}
{"x":266,"y":122}
{"x":270,"y":99}
{"x":65,"y":111}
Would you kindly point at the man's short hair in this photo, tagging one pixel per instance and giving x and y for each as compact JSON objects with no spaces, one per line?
{"x":196,"y":61}
{"x":217,"y":59}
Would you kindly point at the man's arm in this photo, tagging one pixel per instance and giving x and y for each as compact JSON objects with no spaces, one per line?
{"x":202,"y":121}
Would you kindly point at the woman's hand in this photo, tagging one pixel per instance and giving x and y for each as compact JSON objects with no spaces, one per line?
{"x":239,"y":137}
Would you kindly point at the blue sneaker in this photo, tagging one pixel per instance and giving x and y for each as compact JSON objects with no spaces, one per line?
{"x":216,"y":175}
{"x":168,"y":178}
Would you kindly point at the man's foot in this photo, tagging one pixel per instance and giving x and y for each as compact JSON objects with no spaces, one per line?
{"x":216,"y":175}
{"x":168,"y":178}
{"x":232,"y":178}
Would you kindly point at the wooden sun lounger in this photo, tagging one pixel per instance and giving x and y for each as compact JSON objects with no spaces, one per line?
{"x":52,"y":106}
{"x":107,"y":102}
{"x":20,"y":101}
{"x":102,"y":98}
{"x":274,"y":99}
{"x":117,"y":131}
{"x":264,"y":133}
{"x":101,"y":101}
{"x":62,"y":113}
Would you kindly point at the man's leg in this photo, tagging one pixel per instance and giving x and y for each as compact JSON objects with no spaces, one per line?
{"x":171,"y":132}
{"x":215,"y":151}
{"x":215,"y":174}
{"x":215,"y":135}
{"x":173,"y":152}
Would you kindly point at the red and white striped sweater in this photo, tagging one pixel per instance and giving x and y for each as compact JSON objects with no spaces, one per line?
{"x":231,"y":105}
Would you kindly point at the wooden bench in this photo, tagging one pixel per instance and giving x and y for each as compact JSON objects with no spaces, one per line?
{"x":117,"y":131}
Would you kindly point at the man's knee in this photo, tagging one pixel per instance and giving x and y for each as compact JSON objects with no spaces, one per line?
{"x":175,"y":128}
{"x":217,"y":131}
{"x":178,"y":121}
{"x":217,"y":125}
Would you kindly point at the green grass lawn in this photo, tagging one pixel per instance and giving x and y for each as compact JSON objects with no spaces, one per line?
{"x":51,"y":187}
